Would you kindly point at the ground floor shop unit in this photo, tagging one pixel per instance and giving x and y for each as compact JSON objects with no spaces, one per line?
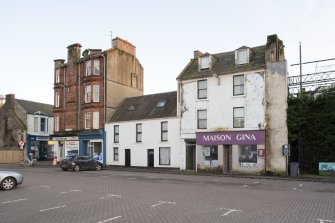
{"x":38,"y":147}
{"x":226,"y":151}
{"x":84,"y":144}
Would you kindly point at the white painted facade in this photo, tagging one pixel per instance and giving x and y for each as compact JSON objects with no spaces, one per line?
{"x":151,"y":139}
{"x":219,"y":104}
{"x":31,"y":124}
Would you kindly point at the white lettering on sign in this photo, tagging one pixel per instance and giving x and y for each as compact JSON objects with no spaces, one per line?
{"x":246,"y":137}
{"x":216,"y":137}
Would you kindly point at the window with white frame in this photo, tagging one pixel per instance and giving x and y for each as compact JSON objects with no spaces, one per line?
{"x":88,"y":94}
{"x":56,"y":123}
{"x":202,"y":119}
{"x":138,"y":132}
{"x":56,"y":99}
{"x":87,"y":120}
{"x":164,"y":155}
{"x":96,"y":67}
{"x":116,"y":134}
{"x":239,"y":117}
{"x":116,"y":153}
{"x":242,"y":56}
{"x":238,"y":82}
{"x":96,"y":93}
{"x":36,"y":124}
{"x":204,"y":62}
{"x":88,"y":68}
{"x":57,"y":76}
{"x":95,"y":120}
{"x":43,"y":124}
{"x":202,"y":89}
{"x":164,"y":131}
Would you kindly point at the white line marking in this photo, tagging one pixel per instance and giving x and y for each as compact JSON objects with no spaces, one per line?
{"x":5,"y":202}
{"x":53,"y":208}
{"x":216,"y":180}
{"x":110,"y":195}
{"x":244,"y":186}
{"x":300,"y":185}
{"x":111,"y":219}
{"x":255,"y":182}
{"x":199,"y":183}
{"x":44,"y":186}
{"x":323,"y":221}
{"x":294,"y":188}
{"x":162,"y":202}
{"x":70,"y":191}
{"x":228,"y":211}
{"x":132,"y":178}
{"x":301,"y":190}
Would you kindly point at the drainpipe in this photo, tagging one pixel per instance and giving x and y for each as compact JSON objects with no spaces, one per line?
{"x":79,"y":99}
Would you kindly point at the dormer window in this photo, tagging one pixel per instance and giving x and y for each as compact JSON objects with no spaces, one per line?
{"x":204,"y":62}
{"x":242,"y":56}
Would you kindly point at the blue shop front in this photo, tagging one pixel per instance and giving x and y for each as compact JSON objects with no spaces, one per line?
{"x":39,"y":148}
{"x":93,"y":144}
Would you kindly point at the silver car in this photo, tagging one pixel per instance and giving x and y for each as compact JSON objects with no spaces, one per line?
{"x":10,"y":179}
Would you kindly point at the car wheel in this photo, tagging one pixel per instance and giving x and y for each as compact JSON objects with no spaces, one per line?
{"x":8,"y":183}
{"x":64,"y":169}
{"x":98,"y":167}
{"x":76,"y":168}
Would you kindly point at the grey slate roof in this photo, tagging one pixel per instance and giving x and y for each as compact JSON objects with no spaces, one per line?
{"x":225,"y":64}
{"x":144,"y":107}
{"x":31,"y":107}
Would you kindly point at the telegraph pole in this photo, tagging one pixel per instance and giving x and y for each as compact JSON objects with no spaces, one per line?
{"x":300,"y":64}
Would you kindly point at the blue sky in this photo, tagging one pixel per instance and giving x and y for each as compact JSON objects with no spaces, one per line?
{"x":165,"y":33}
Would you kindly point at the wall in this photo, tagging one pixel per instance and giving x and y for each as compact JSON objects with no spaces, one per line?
{"x":276,"y":115}
{"x":151,"y":139}
{"x":220,"y":102}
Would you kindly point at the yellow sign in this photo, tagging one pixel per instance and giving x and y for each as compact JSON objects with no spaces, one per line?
{"x":50,"y":142}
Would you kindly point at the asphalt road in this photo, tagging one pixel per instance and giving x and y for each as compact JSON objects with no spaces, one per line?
{"x":50,"y":195}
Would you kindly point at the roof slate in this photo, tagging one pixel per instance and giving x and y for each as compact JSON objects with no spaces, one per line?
{"x":144,"y":107}
{"x":225,"y":64}
{"x":31,"y":107}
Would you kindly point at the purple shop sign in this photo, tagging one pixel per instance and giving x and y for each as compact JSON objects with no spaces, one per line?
{"x":231,"y":137}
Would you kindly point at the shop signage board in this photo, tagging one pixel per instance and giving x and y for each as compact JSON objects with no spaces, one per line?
{"x":248,"y":137}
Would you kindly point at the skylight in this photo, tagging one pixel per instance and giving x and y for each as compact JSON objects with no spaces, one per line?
{"x":161,"y":103}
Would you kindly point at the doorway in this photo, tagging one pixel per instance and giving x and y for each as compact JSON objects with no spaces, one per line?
{"x":151,"y":158}
{"x":190,"y":157}
{"x":127,"y":157}
{"x":227,"y":158}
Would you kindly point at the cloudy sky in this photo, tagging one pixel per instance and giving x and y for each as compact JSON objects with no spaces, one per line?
{"x":165,"y":33}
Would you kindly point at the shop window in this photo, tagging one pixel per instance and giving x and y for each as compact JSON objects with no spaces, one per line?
{"x":210,"y":156}
{"x":247,"y":155}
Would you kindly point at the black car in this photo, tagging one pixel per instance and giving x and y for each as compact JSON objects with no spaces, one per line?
{"x":77,"y":163}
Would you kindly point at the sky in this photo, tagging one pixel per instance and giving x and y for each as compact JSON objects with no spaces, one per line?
{"x":36,"y":32}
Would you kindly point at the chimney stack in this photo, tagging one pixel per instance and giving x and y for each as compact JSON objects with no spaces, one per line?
{"x":197,"y":54}
{"x":124,"y":45}
{"x":10,"y":102}
{"x":73,"y":52}
{"x":59,"y":63}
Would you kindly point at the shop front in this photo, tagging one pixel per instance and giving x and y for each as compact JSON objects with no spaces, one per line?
{"x":39,"y":148}
{"x":231,"y":151}
{"x":92,"y":145}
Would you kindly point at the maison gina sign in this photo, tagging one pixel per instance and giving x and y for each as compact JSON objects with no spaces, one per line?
{"x":231,"y":137}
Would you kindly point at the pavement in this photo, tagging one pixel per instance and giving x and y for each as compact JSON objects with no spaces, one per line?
{"x":304,"y":177}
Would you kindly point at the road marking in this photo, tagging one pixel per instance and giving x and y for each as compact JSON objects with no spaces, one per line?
{"x":131,"y":178}
{"x":300,"y":185}
{"x":162,"y":202}
{"x":229,"y":211}
{"x":199,"y":183}
{"x":53,"y":208}
{"x":294,"y":188}
{"x":44,"y":186}
{"x":23,"y":199}
{"x":110,"y":195}
{"x":244,"y":186}
{"x":255,"y":182}
{"x":323,"y":221}
{"x":70,"y":191}
{"x":111,"y":219}
{"x":216,"y":180}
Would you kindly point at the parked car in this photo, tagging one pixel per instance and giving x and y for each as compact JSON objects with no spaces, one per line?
{"x":77,"y":163}
{"x":10,"y":179}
